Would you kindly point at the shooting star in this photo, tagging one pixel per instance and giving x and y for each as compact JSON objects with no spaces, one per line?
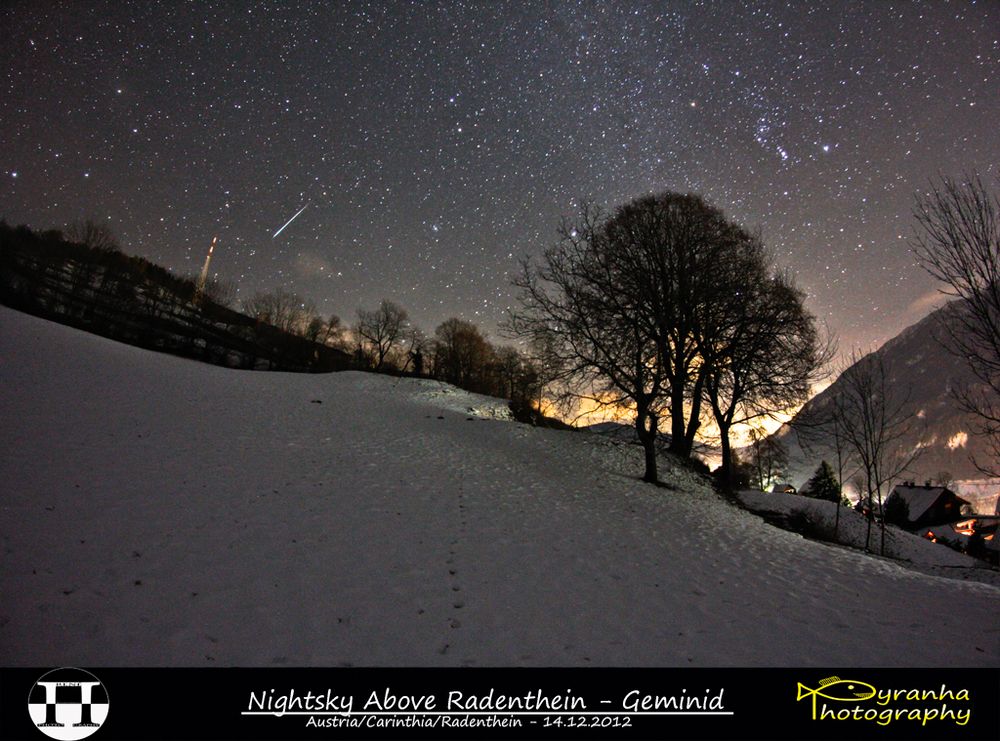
{"x":290,"y":220}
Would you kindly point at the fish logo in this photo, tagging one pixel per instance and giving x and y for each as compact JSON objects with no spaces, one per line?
{"x":835,"y":688}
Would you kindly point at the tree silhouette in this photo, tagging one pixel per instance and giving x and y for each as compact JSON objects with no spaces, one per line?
{"x":627,"y":307}
{"x":461,"y":354}
{"x":759,"y":345}
{"x":824,"y":485}
{"x":958,"y":242}
{"x":280,"y":308}
{"x":93,"y":234}
{"x":381,"y":331}
{"x":872,"y":415}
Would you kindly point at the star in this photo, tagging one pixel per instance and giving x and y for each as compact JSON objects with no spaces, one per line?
{"x":462,"y":133}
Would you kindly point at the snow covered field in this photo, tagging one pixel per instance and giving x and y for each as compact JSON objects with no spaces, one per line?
{"x":919,"y":552}
{"x":156,"y":511}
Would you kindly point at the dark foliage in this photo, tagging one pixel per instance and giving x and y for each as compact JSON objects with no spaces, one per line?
{"x":897,"y":511}
{"x":803,"y":523}
{"x":98,"y":288}
{"x":824,"y":484}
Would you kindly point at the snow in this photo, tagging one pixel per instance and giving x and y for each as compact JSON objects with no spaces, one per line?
{"x":899,"y":544}
{"x":983,"y":495}
{"x":157,"y":511}
{"x":958,"y":440}
{"x":918,"y":499}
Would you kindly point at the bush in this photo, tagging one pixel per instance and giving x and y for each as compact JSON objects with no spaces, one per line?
{"x":809,"y":526}
{"x":897,"y":511}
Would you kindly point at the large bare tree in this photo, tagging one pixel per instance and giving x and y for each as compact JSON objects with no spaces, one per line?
{"x":461,"y":354}
{"x":280,"y":308}
{"x":381,"y":332}
{"x":580,"y":310}
{"x":94,"y":234}
{"x":619,"y":304}
{"x":760,"y":347}
{"x":871,"y":414}
{"x":958,"y":242}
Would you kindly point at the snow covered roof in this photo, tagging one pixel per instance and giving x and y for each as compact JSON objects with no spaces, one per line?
{"x":919,"y":499}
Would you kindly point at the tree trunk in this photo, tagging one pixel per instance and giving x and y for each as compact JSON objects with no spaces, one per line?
{"x":678,"y":434}
{"x":648,"y":439}
{"x":881,"y":513}
{"x":650,"y":475}
{"x":694,"y":421}
{"x":726,"y":470}
{"x":871,"y":515}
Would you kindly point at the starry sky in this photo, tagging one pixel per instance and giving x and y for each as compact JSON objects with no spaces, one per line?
{"x":434,"y":144}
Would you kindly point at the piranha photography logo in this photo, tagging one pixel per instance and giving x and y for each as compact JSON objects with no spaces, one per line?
{"x":836,"y":699}
{"x":68,"y":704}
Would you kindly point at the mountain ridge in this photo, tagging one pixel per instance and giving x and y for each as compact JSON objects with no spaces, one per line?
{"x":924,"y":374}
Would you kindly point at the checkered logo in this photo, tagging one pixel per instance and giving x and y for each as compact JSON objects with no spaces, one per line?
{"x":68,"y":704}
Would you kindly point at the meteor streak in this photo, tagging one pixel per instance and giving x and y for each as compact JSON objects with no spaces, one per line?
{"x":290,"y":221}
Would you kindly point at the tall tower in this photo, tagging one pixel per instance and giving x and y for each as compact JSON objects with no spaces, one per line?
{"x":204,"y":271}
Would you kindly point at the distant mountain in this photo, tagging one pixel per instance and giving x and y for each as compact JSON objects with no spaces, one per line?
{"x":925,"y":373}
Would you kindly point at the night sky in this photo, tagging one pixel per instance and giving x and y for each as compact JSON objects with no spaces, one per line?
{"x":436,"y":143}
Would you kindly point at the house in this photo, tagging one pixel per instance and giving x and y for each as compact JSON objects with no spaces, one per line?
{"x":976,"y":536}
{"x":783,"y":489}
{"x":925,"y":505}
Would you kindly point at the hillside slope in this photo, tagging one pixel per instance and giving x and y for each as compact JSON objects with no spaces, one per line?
{"x":162,"y":512}
{"x":923,"y":373}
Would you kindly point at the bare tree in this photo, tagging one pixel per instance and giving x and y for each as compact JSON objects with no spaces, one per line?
{"x":221,"y":292}
{"x":461,"y":354}
{"x":593,"y":334}
{"x":280,"y":308}
{"x":314,"y":328}
{"x":669,"y":254}
{"x":507,"y":367}
{"x":761,"y":350}
{"x":93,"y":234}
{"x":958,"y":243}
{"x":381,"y":331}
{"x":332,"y":333}
{"x":872,"y":416}
{"x":844,"y":457}
{"x":617,"y":302}
{"x":768,"y":458}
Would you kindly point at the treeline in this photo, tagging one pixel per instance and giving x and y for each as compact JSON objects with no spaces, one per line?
{"x":384,"y":340}
{"x":83,"y":279}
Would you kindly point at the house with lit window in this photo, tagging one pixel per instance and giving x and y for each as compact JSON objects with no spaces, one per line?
{"x":975,"y":535}
{"x":925,"y":506}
